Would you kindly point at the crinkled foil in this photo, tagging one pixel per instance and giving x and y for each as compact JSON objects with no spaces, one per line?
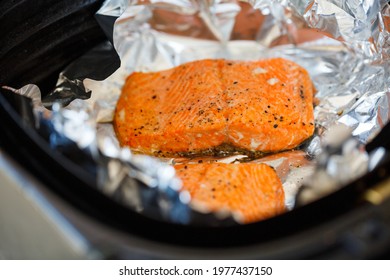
{"x":362,"y":25}
{"x":344,"y":45}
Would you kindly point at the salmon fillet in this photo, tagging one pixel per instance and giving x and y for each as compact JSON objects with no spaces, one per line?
{"x":252,"y":192}
{"x":212,"y":105}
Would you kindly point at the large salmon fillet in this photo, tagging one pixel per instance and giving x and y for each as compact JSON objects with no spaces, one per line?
{"x":211,"y":105}
{"x":251,"y":191}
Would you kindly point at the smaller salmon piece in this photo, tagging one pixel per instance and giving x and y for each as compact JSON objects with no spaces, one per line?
{"x":251,"y":191}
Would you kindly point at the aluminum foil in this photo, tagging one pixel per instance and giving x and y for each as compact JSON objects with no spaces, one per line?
{"x":362,"y":25}
{"x":344,"y":45}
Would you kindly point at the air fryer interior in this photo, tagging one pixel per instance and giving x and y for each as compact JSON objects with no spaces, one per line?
{"x":40,"y":39}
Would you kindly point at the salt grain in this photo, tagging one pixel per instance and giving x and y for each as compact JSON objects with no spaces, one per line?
{"x":259,"y":70}
{"x":272,"y":81}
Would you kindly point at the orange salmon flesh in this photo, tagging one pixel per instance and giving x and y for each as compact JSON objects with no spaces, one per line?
{"x":256,"y":106}
{"x":251,"y":191}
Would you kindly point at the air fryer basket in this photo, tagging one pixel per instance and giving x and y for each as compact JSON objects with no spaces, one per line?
{"x":41,"y":38}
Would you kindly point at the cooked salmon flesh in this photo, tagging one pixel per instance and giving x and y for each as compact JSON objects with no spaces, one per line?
{"x":251,"y":191}
{"x":198,"y":107}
